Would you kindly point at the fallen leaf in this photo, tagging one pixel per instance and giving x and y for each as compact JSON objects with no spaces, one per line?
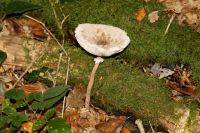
{"x":27,"y":127}
{"x":181,"y":82}
{"x":24,"y":27}
{"x":140,"y":14}
{"x":125,"y":130}
{"x":113,"y":125}
{"x":76,"y":97}
{"x":16,"y":55}
{"x":192,"y":18}
{"x":160,"y":72}
{"x":36,"y":87}
{"x":153,"y":17}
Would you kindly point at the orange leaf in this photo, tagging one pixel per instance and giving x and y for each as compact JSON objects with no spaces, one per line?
{"x":27,"y":127}
{"x":36,"y":87}
{"x":25,"y":27}
{"x":125,"y":130}
{"x":140,"y":14}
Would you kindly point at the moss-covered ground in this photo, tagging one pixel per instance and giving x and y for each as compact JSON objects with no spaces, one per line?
{"x":123,"y":86}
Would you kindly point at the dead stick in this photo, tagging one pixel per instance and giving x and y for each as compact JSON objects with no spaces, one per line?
{"x":170,"y":21}
{"x":49,"y":32}
{"x":33,"y":61}
{"x":66,"y":80}
{"x":58,"y":66}
{"x":67,"y":74}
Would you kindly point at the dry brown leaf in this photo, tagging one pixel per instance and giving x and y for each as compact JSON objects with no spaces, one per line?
{"x":113,"y":125}
{"x":140,"y":14}
{"x":76,"y":97}
{"x":191,"y":18}
{"x":24,"y":27}
{"x":153,"y":16}
{"x":187,"y":11}
{"x":36,"y":87}
{"x":181,"y":82}
{"x":16,"y":55}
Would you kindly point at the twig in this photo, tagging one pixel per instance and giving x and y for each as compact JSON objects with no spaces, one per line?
{"x":59,"y":61}
{"x":55,"y":14}
{"x":49,"y":32}
{"x":64,"y":19}
{"x":49,"y":74}
{"x":63,"y":106}
{"x":30,"y":65}
{"x":12,"y":64}
{"x":151,"y":127}
{"x":16,"y":76}
{"x":67,"y":75}
{"x":59,"y":23}
{"x":170,"y":21}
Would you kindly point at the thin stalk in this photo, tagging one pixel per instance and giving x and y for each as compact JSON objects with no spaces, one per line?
{"x":90,"y":84}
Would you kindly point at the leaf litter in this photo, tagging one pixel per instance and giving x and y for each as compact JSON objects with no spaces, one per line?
{"x":179,"y":80}
{"x":187,"y":12}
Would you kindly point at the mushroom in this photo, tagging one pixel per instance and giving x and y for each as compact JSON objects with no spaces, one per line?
{"x":101,"y":41}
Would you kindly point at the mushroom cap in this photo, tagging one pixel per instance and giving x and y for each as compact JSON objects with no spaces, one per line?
{"x":101,"y":40}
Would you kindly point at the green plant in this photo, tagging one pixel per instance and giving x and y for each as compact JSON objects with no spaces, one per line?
{"x":16,"y":8}
{"x":12,"y":113}
{"x":3,"y":56}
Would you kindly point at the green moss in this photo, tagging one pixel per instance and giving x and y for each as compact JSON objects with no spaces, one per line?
{"x":125,"y":87}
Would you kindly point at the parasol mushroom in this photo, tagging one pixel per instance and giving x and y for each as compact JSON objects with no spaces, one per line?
{"x":102,"y":41}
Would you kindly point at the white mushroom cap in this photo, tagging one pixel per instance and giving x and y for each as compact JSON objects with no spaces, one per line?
{"x":101,"y":40}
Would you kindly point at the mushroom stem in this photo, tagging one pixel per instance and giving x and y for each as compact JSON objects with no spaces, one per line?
{"x":97,"y":60}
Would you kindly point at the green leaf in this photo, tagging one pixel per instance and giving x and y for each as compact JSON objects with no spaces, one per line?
{"x":30,"y":97}
{"x":34,"y":75}
{"x":3,"y":121}
{"x":21,"y":117}
{"x":20,"y":7}
{"x":37,"y":105}
{"x":3,"y":57}
{"x":15,"y":94}
{"x":55,"y":91}
{"x":38,"y":125}
{"x":58,"y":125}
{"x":35,"y":96}
{"x":47,"y":103}
{"x":50,"y":102}
{"x":6,"y":103}
{"x":16,"y":124}
{"x":48,"y":98}
{"x":18,"y":119}
{"x":20,"y":104}
{"x":50,"y":113}
{"x":9,"y":111}
{"x":39,"y":97}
